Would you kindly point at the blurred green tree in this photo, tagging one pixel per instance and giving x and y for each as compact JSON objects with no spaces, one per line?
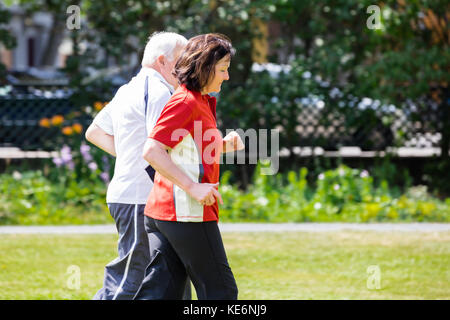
{"x":402,"y":60}
{"x":338,"y":52}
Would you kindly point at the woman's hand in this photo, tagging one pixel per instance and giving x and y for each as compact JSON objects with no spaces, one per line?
{"x":205,"y":193}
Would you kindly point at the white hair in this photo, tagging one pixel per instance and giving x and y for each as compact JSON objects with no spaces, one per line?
{"x":161,"y":43}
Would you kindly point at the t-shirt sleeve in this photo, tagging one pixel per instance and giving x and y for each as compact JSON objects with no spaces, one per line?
{"x":174,"y":124}
{"x":104,"y":120}
{"x":155,"y":108}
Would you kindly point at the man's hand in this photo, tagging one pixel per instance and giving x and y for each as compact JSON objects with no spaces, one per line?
{"x":232,"y":142}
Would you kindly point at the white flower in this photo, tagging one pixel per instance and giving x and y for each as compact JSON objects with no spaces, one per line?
{"x":317,"y":205}
{"x":321,"y":176}
{"x":320,"y":104}
{"x":336,"y":187}
{"x":17,"y":175}
{"x":364,"y":174}
{"x":262,"y":201}
{"x":319,"y":42}
{"x":334,"y":93}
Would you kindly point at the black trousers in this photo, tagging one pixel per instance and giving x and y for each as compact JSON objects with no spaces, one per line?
{"x":199,"y":248}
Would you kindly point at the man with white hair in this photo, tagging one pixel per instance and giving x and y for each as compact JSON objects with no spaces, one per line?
{"x":121,"y":129}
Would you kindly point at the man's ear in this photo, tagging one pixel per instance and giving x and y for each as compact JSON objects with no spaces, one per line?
{"x":161,"y":60}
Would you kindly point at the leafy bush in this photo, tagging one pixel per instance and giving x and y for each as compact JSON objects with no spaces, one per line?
{"x":75,"y":156}
{"x":72,"y":186}
{"x":342,"y":194}
{"x":31,"y":198}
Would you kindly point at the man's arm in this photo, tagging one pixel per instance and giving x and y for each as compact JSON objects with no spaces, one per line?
{"x":96,"y":135}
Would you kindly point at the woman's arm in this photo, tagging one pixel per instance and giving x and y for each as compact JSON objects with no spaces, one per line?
{"x":95,"y":135}
{"x":156,"y":154}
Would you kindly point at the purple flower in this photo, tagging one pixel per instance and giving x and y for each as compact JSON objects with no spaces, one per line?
{"x":65,"y":149}
{"x":93,"y":166}
{"x":105,"y":162}
{"x":58,"y":162}
{"x":66,"y":155}
{"x":105,"y":177}
{"x":70,"y":165}
{"x":65,"y":159}
{"x":84,"y":150}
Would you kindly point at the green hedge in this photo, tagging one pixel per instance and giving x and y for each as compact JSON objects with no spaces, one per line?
{"x":343,"y":194}
{"x":31,"y":198}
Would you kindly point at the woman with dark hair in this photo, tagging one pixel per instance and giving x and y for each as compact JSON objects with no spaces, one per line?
{"x":184,"y":148}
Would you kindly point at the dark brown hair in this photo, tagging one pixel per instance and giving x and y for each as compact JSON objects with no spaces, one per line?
{"x":195,"y":66}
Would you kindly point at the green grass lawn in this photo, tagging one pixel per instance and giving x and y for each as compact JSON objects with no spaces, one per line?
{"x":290,"y":265}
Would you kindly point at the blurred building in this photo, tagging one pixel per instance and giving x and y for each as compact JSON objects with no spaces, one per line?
{"x":42,"y":48}
{"x":39,"y":51}
{"x":33,"y":34}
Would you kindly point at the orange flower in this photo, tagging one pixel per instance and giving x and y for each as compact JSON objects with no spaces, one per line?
{"x":57,"y":120}
{"x":44,"y":122}
{"x":98,"y":105}
{"x":67,"y":131}
{"x":77,"y":128}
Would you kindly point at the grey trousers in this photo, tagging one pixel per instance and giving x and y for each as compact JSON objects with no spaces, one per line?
{"x":141,"y":271}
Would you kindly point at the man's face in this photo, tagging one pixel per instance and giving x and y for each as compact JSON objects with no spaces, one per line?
{"x":169,"y":66}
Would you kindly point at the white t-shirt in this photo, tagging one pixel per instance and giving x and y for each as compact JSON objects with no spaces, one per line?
{"x":124,"y":118}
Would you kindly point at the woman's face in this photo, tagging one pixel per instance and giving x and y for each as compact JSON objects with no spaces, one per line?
{"x":220,"y":75}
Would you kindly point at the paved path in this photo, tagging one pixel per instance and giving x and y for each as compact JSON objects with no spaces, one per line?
{"x":244,"y":227}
